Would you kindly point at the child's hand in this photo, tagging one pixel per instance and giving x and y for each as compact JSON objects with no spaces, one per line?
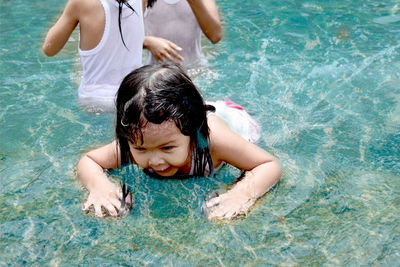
{"x":233,"y":203}
{"x":228,"y":205}
{"x":163,"y":50}
{"x":107,"y":196}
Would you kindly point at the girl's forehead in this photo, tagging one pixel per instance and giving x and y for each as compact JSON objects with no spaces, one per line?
{"x":154,"y":135}
{"x":166,"y":126}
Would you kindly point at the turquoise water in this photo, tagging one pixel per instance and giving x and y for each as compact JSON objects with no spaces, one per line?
{"x":321,"y":76}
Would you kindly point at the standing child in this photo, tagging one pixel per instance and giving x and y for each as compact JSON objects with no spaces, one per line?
{"x":174,"y":28}
{"x":110,"y":45}
{"x":164,"y":126}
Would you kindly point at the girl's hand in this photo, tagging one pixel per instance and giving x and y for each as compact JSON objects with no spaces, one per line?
{"x":163,"y":50}
{"x":108,"y":196}
{"x":228,"y":205}
{"x":235,"y":202}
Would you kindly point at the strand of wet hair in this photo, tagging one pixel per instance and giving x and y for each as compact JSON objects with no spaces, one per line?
{"x":121,"y":3}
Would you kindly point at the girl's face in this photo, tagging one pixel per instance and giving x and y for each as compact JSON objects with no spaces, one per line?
{"x":165,"y":150}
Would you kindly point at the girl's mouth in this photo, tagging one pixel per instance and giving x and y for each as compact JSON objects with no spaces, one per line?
{"x":164,"y":171}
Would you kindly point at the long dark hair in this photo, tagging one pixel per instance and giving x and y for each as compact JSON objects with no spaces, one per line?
{"x":121,"y":3}
{"x":158,"y":93}
{"x":150,"y":3}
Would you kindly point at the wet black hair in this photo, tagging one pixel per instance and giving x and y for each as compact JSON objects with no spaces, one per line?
{"x":121,"y":3}
{"x":150,"y":3}
{"x":158,"y":93}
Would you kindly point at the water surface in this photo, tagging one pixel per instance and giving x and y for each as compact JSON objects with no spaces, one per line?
{"x":323,"y":79}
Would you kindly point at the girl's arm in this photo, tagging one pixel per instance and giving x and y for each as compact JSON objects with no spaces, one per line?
{"x":144,"y":6}
{"x":58,"y":34}
{"x":262,"y":171}
{"x":102,"y":192}
{"x":206,"y":13}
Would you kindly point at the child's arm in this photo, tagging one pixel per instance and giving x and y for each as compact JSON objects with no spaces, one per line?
{"x":144,"y":5}
{"x":262,"y":171}
{"x":163,"y":49}
{"x":207,"y":16}
{"x":102,"y":192}
{"x":58,"y":35}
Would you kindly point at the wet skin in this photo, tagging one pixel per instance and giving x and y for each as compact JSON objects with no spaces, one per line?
{"x":165,"y":150}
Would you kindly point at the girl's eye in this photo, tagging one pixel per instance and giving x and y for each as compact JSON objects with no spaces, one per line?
{"x":167,"y":148}
{"x":139,"y":148}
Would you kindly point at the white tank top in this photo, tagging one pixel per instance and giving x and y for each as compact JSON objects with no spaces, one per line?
{"x":110,"y":61}
{"x":174,"y":20}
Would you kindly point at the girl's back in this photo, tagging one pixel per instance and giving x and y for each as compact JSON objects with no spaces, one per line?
{"x":109,"y":49}
{"x":105,"y":65}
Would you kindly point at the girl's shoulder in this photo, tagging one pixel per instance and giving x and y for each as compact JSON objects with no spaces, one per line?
{"x":230,"y":147}
{"x":220,"y":133}
{"x":215,"y":123}
{"x":84,"y":5}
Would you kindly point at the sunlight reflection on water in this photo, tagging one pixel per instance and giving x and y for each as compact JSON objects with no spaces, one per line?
{"x":321,"y":77}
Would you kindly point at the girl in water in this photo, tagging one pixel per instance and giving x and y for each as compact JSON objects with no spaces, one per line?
{"x":110,"y":45}
{"x":164,"y":126}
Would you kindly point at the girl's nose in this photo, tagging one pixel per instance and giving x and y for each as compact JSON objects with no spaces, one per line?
{"x":155,"y":160}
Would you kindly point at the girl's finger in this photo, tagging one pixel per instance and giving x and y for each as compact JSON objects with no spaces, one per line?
{"x":97,"y":211}
{"x":216,"y":215}
{"x":175,"y":47}
{"x":158,"y":57}
{"x":116,"y":203}
{"x":173,"y":53}
{"x":230,"y":215}
{"x":213,"y":202}
{"x":172,"y":59}
{"x":111,"y":210}
{"x":87,"y":205}
{"x":163,"y":56}
{"x":219,"y":212}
